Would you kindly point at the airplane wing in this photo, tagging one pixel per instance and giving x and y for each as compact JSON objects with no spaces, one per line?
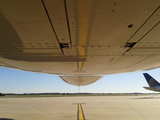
{"x":80,"y":40}
{"x":152,"y":89}
{"x":149,"y":88}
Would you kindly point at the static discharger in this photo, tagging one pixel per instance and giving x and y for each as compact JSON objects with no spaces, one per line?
{"x":78,"y":89}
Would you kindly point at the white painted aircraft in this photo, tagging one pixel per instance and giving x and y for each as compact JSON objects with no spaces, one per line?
{"x":80,"y":40}
{"x":153,"y":84}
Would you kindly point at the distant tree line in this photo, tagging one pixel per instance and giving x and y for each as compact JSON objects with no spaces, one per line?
{"x":85,"y":93}
{"x":54,"y":93}
{"x":1,"y":94}
{"x":50,"y":93}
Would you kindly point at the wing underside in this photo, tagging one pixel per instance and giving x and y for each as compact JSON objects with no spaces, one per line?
{"x":80,"y":37}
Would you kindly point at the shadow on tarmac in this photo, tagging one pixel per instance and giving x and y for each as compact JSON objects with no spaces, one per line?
{"x":6,"y":119}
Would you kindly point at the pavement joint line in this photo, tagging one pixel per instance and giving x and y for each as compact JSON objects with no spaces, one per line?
{"x":37,"y":111}
{"x":95,"y":106}
{"x":134,"y":109}
{"x":40,"y":112}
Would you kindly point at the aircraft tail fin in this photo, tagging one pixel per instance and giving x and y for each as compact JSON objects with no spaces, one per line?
{"x":151,"y":81}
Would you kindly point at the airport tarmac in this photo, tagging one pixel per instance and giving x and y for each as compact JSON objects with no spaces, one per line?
{"x":94,"y":108}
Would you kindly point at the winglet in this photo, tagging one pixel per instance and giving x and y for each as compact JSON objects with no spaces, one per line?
{"x":151,"y":81}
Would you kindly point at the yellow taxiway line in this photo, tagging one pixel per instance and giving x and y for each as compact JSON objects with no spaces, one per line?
{"x":80,"y":115}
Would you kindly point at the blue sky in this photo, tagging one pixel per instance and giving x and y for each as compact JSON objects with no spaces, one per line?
{"x":17,"y":81}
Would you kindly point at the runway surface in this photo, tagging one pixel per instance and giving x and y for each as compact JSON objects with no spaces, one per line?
{"x":95,"y":108}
